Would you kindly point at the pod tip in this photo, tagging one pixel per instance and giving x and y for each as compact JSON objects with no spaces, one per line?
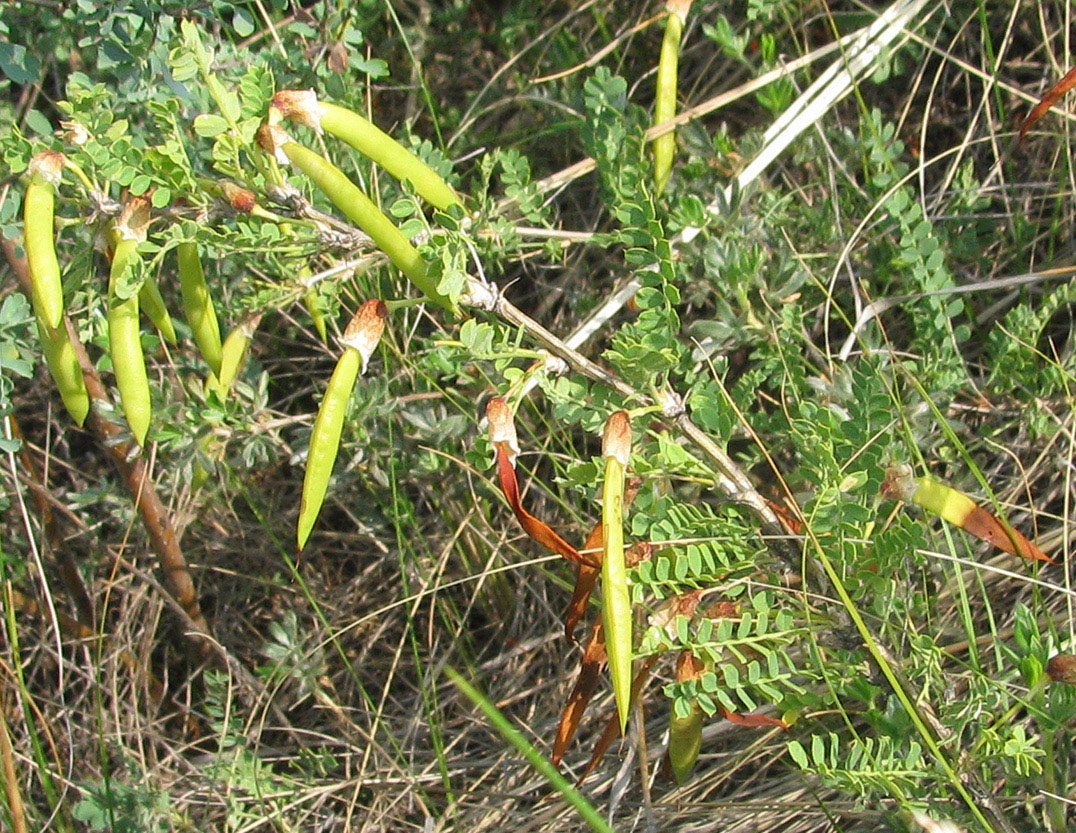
{"x":899,"y":482}
{"x":239,"y":198}
{"x":300,"y":106}
{"x":47,"y":164}
{"x":616,"y":441}
{"x":364,"y":330}
{"x":502,"y":428}
{"x":271,"y":138}
{"x":134,"y":219}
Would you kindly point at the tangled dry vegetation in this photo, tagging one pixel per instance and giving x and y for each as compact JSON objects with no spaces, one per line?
{"x":322,"y":702}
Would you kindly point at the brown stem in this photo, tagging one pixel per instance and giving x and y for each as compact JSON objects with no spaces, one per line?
{"x":132,"y":468}
{"x":15,"y":806}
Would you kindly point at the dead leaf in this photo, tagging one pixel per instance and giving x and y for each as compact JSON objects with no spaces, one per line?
{"x":339,"y":61}
{"x":1047,"y":101}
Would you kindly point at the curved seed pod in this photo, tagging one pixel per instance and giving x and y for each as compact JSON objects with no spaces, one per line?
{"x":63,"y":364}
{"x":152,"y":302}
{"x":302,"y":106}
{"x":958,"y":509}
{"x":585,"y":686}
{"x":39,"y":218}
{"x":502,"y":435}
{"x":198,"y":306}
{"x":359,"y":340}
{"x":233,"y":352}
{"x":616,"y":597}
{"x":125,"y":345}
{"x":665,"y":96}
{"x":346,"y":196}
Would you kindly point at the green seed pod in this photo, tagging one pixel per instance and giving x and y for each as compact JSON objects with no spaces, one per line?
{"x":357,"y":206}
{"x":125,"y":345}
{"x":302,"y":106}
{"x":63,"y":364}
{"x":359,"y":340}
{"x":685,"y":740}
{"x":152,"y":303}
{"x":665,"y":96}
{"x":39,"y":208}
{"x":616,"y":597}
{"x":198,"y":306}
{"x":685,"y":731}
{"x":233,"y":353}
{"x":124,"y":332}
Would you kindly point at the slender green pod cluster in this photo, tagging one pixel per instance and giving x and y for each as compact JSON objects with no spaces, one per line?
{"x":665,"y":97}
{"x":39,"y":220}
{"x":46,"y":290}
{"x":303,"y":107}
{"x":616,"y":598}
{"x":359,"y":340}
{"x":124,"y":333}
{"x":359,"y":208}
{"x":198,"y":306}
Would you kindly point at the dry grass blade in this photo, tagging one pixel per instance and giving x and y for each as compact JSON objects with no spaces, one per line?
{"x":15,"y":807}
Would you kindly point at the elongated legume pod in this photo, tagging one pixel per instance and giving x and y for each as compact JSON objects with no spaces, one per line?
{"x":302,"y":106}
{"x":198,"y":306}
{"x":39,"y":210}
{"x":958,"y":509}
{"x":152,"y":303}
{"x":63,"y":364}
{"x":685,"y":739}
{"x":665,"y":96}
{"x":233,"y":353}
{"x":346,"y":196}
{"x":685,"y":731}
{"x":125,"y":345}
{"x":616,"y":598}
{"x":124,"y":332}
{"x":359,"y":340}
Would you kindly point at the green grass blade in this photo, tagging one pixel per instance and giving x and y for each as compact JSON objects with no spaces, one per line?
{"x":525,"y":748}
